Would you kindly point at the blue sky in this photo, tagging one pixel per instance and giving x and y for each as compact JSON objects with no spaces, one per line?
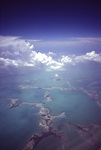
{"x":66,"y":27}
{"x":51,"y":20}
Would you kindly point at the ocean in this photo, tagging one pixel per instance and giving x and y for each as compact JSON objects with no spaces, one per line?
{"x":75,"y":91}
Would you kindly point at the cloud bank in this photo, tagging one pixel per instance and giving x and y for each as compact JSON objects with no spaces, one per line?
{"x":18,"y":52}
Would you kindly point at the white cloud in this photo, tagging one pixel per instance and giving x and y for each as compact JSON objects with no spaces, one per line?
{"x":35,"y":58}
{"x":66,"y":59}
{"x":51,"y":53}
{"x":45,"y":59}
{"x":38,"y":57}
{"x":8,"y":61}
{"x":91,"y":56}
{"x":56,"y":67}
{"x":28,"y":64}
{"x":6,"y":41}
{"x":16,"y":43}
{"x":26,"y":56}
{"x":6,"y":54}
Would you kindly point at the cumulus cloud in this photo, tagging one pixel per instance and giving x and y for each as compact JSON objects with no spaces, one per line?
{"x":22,"y":53}
{"x":15,"y":48}
{"x":91,"y":56}
{"x":6,"y":41}
{"x":52,"y":54}
{"x":6,"y":54}
{"x":16,"y":43}
{"x":58,"y":66}
{"x":40,"y":57}
{"x":66,"y":59}
{"x":26,"y":54}
{"x":8,"y":61}
{"x":45,"y":59}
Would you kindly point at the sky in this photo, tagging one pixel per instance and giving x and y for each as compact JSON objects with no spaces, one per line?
{"x":49,"y":33}
{"x":50,"y":20}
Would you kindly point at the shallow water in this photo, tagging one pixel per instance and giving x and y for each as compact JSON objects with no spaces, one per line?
{"x":18,"y":124}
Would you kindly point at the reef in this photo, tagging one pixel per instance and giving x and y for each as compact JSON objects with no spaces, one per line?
{"x":48,"y":98}
{"x":36,"y":138}
{"x":46,"y":123}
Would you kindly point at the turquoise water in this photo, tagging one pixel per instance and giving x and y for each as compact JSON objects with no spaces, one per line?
{"x":17,"y":125}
